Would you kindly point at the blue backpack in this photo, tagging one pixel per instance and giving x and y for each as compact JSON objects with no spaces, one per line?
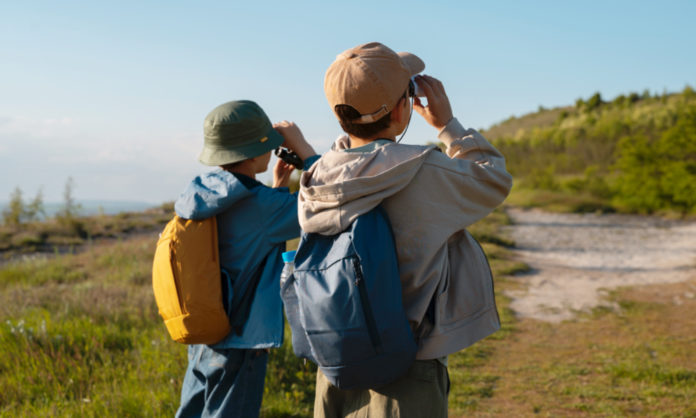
{"x":343,"y":303}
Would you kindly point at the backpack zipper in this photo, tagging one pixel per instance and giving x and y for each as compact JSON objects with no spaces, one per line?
{"x":367,"y":309}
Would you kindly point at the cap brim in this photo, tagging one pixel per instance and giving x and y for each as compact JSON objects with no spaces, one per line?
{"x":221,"y":155}
{"x":414,"y":64}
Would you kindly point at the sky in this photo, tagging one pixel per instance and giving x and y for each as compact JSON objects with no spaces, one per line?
{"x":114,"y":94}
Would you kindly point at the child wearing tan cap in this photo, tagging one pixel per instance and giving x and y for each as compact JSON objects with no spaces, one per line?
{"x":430,"y":198}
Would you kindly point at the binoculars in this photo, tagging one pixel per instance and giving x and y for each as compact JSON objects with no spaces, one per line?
{"x":289,"y":157}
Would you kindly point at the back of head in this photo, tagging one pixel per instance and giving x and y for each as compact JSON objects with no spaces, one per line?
{"x":364,"y":84}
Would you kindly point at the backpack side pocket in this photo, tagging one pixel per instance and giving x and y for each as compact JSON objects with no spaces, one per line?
{"x":300,"y":344}
{"x":335,"y":322}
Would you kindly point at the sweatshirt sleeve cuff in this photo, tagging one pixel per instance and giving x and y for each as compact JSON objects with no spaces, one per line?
{"x":453,"y":130}
{"x":309,"y":161}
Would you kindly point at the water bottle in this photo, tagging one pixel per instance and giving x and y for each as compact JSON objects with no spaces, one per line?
{"x":288,"y":268}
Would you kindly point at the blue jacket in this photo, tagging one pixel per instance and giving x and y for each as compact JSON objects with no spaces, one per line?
{"x":254,"y":221}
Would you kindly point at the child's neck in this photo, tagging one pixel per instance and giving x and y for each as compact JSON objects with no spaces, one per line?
{"x":356,"y":142}
{"x":244,"y":170}
{"x":389,"y":133}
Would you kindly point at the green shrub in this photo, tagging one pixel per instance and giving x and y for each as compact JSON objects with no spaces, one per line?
{"x":543,"y":178}
{"x":593,"y":102}
{"x":592,"y":182}
{"x":659,"y":174}
{"x":27,"y":239}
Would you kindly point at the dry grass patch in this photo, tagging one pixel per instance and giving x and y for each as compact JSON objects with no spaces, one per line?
{"x":639,"y":361}
{"x":66,"y":234}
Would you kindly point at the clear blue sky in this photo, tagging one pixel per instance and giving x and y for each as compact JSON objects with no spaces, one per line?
{"x":115,"y":94}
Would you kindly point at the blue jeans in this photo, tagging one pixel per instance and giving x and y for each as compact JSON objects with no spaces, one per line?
{"x":223,"y":382}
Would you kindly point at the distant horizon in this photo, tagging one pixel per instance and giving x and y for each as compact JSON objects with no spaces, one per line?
{"x":94,"y":206}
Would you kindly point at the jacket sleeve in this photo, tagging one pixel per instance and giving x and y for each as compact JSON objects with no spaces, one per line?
{"x":281,"y":220}
{"x":474,"y":176}
{"x":279,"y":207}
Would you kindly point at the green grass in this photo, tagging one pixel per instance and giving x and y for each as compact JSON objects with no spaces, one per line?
{"x":39,"y":271}
{"x":80,"y":336}
{"x":565,"y":201}
{"x":470,"y":383}
{"x":77,"y":364}
{"x":635,"y":361}
{"x":289,"y":387}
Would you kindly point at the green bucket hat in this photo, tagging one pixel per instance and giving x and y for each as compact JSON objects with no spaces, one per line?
{"x":236,"y":131}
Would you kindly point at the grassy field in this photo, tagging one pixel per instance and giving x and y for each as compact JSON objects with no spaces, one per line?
{"x":80,"y":336}
{"x":637,"y":362}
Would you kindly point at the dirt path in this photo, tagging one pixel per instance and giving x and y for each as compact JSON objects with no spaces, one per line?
{"x":576,"y":259}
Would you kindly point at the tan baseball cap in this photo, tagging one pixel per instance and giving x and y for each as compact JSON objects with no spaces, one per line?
{"x":371,"y":78}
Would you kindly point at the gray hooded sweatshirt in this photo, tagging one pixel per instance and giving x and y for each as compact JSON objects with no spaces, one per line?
{"x":430,"y":197}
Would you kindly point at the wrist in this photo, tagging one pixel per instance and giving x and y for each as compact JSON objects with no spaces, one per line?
{"x":304,"y":151}
{"x":442,"y":123}
{"x":451,"y":131}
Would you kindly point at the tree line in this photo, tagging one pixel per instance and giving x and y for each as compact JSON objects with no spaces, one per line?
{"x":636,"y":152}
{"x":19,"y":212}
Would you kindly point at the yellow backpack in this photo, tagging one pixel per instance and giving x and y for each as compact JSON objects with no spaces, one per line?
{"x":187,"y":284}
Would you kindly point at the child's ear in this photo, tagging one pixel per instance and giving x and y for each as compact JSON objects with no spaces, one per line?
{"x":400,"y":111}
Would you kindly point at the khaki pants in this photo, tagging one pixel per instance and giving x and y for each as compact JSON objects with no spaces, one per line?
{"x":421,"y":393}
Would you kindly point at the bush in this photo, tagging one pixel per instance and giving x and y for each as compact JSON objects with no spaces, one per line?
{"x":543,"y":178}
{"x":659,"y":174}
{"x":593,"y":182}
{"x":27,"y":239}
{"x":12,"y":216}
{"x":594,"y":102}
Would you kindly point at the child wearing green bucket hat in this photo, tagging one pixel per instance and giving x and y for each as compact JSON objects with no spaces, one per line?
{"x":254,"y":221}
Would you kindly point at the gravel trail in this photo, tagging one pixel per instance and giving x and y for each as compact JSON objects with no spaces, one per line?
{"x":576,"y":259}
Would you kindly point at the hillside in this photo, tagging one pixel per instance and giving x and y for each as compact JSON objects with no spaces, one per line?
{"x":518,"y":126}
{"x":636,"y":153}
{"x":641,"y":110}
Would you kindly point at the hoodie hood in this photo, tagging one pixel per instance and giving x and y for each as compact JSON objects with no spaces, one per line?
{"x":209,"y":194}
{"x":345,"y":184}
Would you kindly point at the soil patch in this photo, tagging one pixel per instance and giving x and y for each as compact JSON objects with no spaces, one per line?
{"x":576,"y":259}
